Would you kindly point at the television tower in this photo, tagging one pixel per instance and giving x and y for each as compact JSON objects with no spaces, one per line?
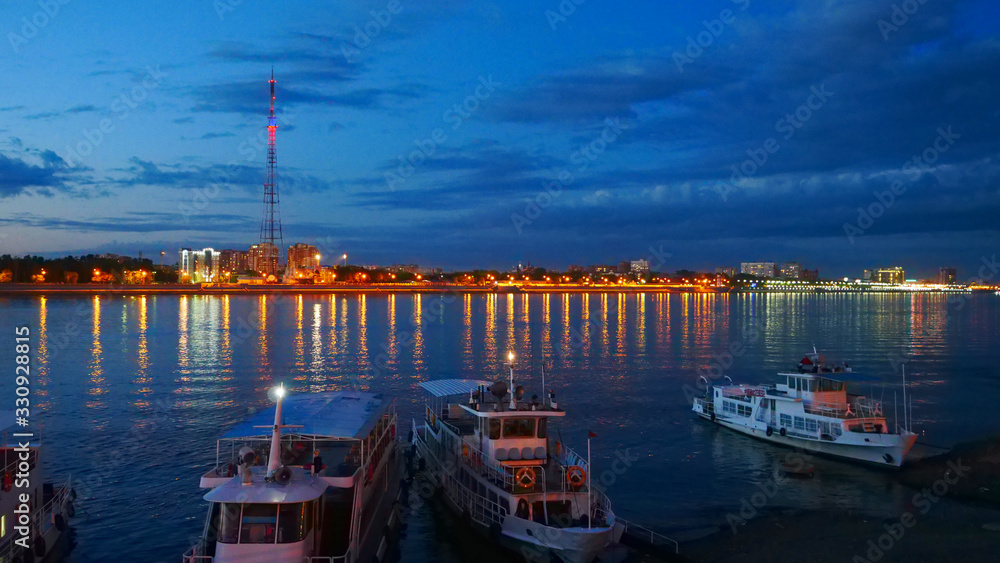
{"x":270,"y":223}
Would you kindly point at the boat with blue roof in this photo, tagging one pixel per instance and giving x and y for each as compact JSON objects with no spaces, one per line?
{"x":313,"y":479}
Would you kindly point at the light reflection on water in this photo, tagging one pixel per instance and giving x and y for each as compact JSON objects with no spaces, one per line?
{"x":618,"y":363}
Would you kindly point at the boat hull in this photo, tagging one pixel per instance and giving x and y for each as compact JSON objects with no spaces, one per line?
{"x":532,"y":540}
{"x":885,"y":450}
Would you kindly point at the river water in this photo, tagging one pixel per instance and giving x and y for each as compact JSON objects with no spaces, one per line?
{"x":132,"y":392}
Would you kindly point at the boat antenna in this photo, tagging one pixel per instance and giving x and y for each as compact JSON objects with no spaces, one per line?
{"x":510,"y":364}
{"x":906,"y":424}
{"x":544,"y":399}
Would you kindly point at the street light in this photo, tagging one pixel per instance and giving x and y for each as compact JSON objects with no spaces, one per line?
{"x":345,"y":260}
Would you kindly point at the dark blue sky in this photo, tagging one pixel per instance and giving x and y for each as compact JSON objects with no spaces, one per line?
{"x":643,"y":109}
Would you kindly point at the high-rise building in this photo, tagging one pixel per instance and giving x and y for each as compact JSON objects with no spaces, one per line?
{"x":892,"y":274}
{"x":234,"y":261}
{"x":198,"y":265}
{"x":759,"y":269}
{"x":640,"y":266}
{"x":790,"y":271}
{"x":947,"y":275}
{"x":728,"y":271}
{"x":263,"y":258}
{"x":303,"y":256}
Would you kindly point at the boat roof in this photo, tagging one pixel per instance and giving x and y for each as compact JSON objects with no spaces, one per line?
{"x":844,"y":376}
{"x":332,"y":414}
{"x":448,"y":387}
{"x":303,"y":487}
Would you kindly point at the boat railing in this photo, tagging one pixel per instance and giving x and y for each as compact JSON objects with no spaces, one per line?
{"x":646,"y":535}
{"x":42,"y":519}
{"x":327,"y":559}
{"x":600,"y":509}
{"x":489,"y":467}
{"x":861,"y":407}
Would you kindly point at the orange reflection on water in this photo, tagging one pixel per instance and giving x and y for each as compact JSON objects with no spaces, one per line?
{"x":620,"y":331}
{"x":467,"y":359}
{"x":418,"y":335}
{"x":142,"y":373}
{"x":605,"y":339}
{"x":363,"y":330}
{"x":299,"y":343}
{"x":511,"y":343}
{"x":42,"y":359}
{"x":546,"y":325}
{"x":641,"y":322}
{"x":97,"y":379}
{"x":263,"y":358}
{"x":316,"y":348}
{"x":490,"y":338}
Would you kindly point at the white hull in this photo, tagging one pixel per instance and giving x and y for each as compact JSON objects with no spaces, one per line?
{"x":532,"y":540}
{"x":895,"y":446}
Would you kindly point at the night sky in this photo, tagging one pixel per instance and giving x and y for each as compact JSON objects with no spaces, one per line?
{"x":699,"y":134}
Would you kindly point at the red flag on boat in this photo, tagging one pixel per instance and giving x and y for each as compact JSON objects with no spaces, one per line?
{"x":592,"y":435}
{"x":806,"y":361}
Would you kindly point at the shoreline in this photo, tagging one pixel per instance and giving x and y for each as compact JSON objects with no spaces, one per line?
{"x":22,"y":289}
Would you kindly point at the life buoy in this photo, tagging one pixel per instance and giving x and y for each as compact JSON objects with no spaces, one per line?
{"x":8,"y":482}
{"x":782,"y":432}
{"x":576,"y":476}
{"x":525,"y":477}
{"x":770,"y":431}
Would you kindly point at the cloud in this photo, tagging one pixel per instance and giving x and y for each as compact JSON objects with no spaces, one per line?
{"x":83,"y":108}
{"x":146,"y":173}
{"x":136,"y":222}
{"x":18,"y":176}
{"x":213,"y":135}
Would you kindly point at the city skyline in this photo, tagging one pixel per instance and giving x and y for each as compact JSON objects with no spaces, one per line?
{"x":843,"y":139}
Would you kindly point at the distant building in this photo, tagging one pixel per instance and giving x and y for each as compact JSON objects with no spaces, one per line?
{"x":601,"y":269}
{"x":810,"y":275}
{"x":892,"y":274}
{"x":263,"y":258}
{"x":640,"y":266}
{"x":759,"y":269}
{"x":868,"y":275}
{"x":303,"y":256}
{"x":575,"y":269}
{"x":624,"y":267}
{"x":728,"y":271}
{"x":197,"y":266}
{"x":790,"y":271}
{"x":234,"y":261}
{"x":947,"y":275}
{"x":401,"y":268}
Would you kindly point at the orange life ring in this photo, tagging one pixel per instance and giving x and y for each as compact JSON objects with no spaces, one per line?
{"x":525,"y":477}
{"x":576,"y":476}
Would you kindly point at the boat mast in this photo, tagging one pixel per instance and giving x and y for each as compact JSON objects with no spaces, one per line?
{"x":906,"y":424}
{"x":510,"y":364}
{"x":274,"y":459}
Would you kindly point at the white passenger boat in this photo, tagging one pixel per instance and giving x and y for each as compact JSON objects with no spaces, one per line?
{"x":322,"y":488}
{"x":811,"y":409}
{"x":492,"y":454}
{"x":34,"y":515}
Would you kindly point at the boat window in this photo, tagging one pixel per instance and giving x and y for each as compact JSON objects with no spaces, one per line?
{"x":800,"y":423}
{"x":543,"y":427}
{"x":229,"y":526}
{"x":786,"y":420}
{"x":519,"y":428}
{"x":258,"y":523}
{"x":293,"y":522}
{"x":494,"y":429}
{"x":798,"y":384}
{"x":812,"y":385}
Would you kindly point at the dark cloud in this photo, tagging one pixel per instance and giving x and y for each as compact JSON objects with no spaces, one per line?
{"x":83,"y":108}
{"x":18,"y":175}
{"x":213,"y":135}
{"x":138,"y":222}
{"x":146,"y":173}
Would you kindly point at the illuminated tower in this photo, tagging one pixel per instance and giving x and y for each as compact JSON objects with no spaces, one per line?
{"x":270,"y":224}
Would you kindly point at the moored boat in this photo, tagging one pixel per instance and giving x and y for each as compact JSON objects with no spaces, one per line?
{"x":34,"y":514}
{"x":322,"y":489}
{"x":492,"y":454}
{"x":810,"y":409}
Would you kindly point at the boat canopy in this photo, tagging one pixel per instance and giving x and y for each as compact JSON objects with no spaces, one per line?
{"x":333,"y":414}
{"x":449,"y":387}
{"x":845,"y":376}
